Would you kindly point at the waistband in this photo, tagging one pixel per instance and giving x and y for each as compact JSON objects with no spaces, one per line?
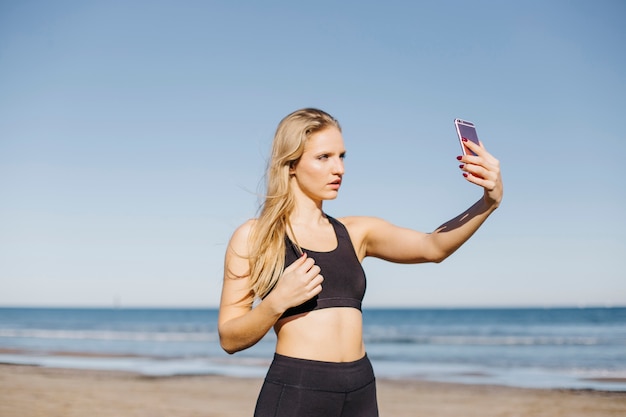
{"x":320,"y":375}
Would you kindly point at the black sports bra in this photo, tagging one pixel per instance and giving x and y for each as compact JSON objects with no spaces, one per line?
{"x":344,"y":279}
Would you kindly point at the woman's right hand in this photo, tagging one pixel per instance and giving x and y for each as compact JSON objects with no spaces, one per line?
{"x":300,"y":282}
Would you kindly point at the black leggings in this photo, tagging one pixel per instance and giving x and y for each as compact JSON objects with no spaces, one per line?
{"x":306,"y":388}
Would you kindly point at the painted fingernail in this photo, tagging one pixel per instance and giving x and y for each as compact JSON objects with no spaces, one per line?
{"x":461,"y":166}
{"x":459,"y":158}
{"x":465,"y":174}
{"x":464,"y":139}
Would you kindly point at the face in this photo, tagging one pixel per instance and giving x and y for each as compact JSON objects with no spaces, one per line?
{"x":319,"y":171}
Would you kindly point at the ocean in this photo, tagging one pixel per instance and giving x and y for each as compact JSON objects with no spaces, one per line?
{"x":555,"y":348}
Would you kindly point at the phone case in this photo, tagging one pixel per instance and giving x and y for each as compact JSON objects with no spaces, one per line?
{"x":467,"y":130}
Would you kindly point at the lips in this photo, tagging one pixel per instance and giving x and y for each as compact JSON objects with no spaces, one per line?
{"x":336,"y":183}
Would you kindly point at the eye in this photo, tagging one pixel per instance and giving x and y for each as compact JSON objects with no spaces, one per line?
{"x":342,"y":155}
{"x":323,"y":156}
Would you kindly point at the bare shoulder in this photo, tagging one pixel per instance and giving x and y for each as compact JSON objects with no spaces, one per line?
{"x":237,"y":253}
{"x":245,"y":228}
{"x":360,"y":228}
{"x":365,"y":226}
{"x":362,"y":224}
{"x":239,"y":239}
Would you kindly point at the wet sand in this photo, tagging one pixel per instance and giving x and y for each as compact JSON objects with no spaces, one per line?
{"x":30,"y":391}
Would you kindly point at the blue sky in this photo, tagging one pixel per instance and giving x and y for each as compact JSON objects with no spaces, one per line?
{"x":133,"y":138}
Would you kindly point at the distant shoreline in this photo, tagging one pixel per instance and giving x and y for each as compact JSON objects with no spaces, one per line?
{"x":365,"y":307}
{"x":95,"y":356}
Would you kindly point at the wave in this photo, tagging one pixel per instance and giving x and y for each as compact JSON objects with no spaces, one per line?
{"x":110,"y":335}
{"x":212,"y":336}
{"x":454,"y":340}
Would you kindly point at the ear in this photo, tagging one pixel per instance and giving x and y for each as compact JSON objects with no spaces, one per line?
{"x":292,"y":167}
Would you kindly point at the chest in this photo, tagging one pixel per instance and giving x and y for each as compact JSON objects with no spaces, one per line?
{"x":322,"y":239}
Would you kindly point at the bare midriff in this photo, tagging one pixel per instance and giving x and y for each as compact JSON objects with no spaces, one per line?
{"x":329,"y":335}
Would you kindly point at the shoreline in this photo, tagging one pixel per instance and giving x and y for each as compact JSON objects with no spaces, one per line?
{"x":158,"y":366}
{"x":28,"y":390}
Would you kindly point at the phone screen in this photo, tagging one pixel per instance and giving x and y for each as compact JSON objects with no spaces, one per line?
{"x":466,"y":130}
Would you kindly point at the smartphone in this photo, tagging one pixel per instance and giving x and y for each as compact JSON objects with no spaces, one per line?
{"x":467,"y":130}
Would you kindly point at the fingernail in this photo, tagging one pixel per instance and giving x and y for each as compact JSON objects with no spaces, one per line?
{"x":464,"y":139}
{"x":459,"y":158}
{"x":461,"y":166}
{"x":465,"y":174}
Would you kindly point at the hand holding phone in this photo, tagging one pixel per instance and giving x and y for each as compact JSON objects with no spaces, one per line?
{"x":466,"y":130}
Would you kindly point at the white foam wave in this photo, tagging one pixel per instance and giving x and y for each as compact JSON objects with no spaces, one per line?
{"x":489,"y":340}
{"x":110,"y":335}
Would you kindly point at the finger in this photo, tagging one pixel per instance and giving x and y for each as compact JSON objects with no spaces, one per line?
{"x":484,"y":153}
{"x":313,"y":272}
{"x":317,"y":280}
{"x":486,"y":183}
{"x":479,"y":149}
{"x":315,"y":291}
{"x":297,"y":263}
{"x":469,"y":159}
{"x":487,"y":173}
{"x":477,"y":170}
{"x":485,"y":161}
{"x":472,"y":146}
{"x":307,"y":265}
{"x":315,"y":286}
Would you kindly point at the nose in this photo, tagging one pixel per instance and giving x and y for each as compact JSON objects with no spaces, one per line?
{"x":338,"y":167}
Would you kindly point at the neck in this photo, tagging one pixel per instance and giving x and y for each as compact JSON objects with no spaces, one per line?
{"x":307,"y":211}
{"x":307,"y":214}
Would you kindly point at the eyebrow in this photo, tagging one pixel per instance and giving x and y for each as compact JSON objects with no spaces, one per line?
{"x":327,"y":152}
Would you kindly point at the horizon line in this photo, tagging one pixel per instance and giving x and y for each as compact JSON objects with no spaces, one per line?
{"x":375,"y":307}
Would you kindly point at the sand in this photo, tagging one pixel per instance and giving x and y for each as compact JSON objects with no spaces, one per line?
{"x":29,"y":391}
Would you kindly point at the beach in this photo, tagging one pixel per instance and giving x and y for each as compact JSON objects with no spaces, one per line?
{"x":78,"y":362}
{"x":33,"y":391}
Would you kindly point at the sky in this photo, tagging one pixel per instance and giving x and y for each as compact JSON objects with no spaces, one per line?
{"x":134,"y":137}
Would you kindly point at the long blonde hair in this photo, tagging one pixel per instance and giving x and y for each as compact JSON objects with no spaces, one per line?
{"x":267,"y":239}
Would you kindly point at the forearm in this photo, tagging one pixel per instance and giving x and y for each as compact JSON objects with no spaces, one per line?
{"x":448,"y":237}
{"x":241,"y":332}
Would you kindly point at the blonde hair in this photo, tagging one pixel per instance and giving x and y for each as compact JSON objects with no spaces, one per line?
{"x":267,"y":238}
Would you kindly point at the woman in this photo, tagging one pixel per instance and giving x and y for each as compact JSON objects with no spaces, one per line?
{"x":298,"y":270}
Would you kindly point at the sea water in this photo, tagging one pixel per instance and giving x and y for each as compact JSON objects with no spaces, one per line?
{"x":569,"y":348}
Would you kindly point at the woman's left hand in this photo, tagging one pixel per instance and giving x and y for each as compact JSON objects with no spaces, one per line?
{"x":483,"y":169}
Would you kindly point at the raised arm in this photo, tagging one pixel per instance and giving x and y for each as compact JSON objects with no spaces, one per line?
{"x":378,"y":238}
{"x":241,"y":326}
